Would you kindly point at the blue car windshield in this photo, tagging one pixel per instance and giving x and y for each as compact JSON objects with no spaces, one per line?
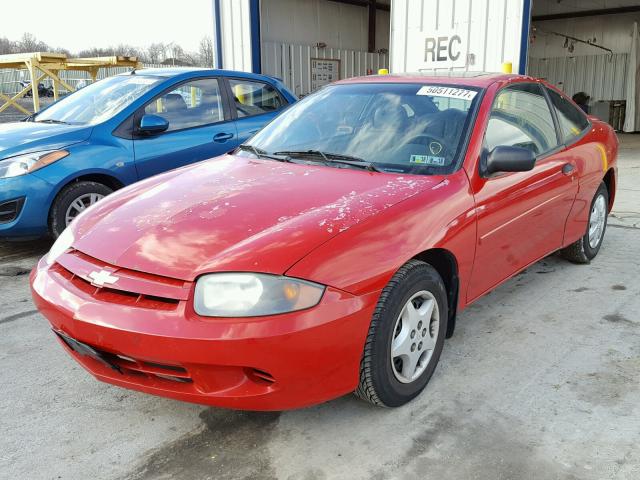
{"x":99,"y":101}
{"x":393,"y":127}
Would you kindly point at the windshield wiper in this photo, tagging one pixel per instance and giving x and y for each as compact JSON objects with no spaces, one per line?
{"x":262,"y":154}
{"x":52,"y":120}
{"x":329,"y":157}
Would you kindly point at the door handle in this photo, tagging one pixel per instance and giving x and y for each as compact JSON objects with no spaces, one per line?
{"x":222,"y":137}
{"x":568,"y":168}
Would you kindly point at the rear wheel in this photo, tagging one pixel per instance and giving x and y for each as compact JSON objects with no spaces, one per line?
{"x":586,"y":248}
{"x":405,"y":338}
{"x":73,"y":200}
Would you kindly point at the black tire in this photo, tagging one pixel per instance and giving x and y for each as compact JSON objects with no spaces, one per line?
{"x":378,"y":382}
{"x":70,"y":193}
{"x":581,"y":250}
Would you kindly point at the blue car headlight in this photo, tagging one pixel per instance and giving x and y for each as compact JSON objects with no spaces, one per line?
{"x":29,"y":162}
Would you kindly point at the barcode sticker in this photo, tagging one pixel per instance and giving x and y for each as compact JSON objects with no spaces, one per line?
{"x":447,"y":92}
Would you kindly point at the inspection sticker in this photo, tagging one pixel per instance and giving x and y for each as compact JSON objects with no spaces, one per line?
{"x":447,"y":92}
{"x":427,"y":160}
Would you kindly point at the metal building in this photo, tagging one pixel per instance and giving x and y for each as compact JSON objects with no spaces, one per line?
{"x":578,"y":45}
{"x":307,"y":43}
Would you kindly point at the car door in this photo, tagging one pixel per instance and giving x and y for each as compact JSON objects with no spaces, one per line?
{"x":254,"y":104}
{"x":200,"y":127}
{"x":521,"y":215}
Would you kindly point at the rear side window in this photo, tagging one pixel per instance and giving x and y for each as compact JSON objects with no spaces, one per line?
{"x":255,"y":98}
{"x":573,"y":122}
{"x":520,"y":117}
{"x":191,"y":104}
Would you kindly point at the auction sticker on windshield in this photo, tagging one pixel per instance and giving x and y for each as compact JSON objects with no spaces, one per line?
{"x":447,"y":92}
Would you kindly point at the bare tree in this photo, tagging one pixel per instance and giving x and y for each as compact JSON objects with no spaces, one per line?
{"x":29,"y":43}
{"x":157,"y":52}
{"x":7,"y":46}
{"x":206,"y":52}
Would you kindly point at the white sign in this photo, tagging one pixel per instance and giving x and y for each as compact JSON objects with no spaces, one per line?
{"x":324,"y":71}
{"x":448,"y":92}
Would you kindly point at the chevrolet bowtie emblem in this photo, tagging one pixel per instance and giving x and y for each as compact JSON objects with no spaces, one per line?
{"x":102,"y":278}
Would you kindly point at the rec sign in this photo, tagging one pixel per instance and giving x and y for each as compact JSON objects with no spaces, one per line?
{"x":430,"y":50}
{"x":443,"y":49}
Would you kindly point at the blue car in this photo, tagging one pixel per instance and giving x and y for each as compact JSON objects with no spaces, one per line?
{"x":58,"y":162}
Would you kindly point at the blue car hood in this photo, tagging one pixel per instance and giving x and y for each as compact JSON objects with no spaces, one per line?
{"x":26,"y":137}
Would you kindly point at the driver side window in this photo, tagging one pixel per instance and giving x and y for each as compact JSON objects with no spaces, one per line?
{"x":520,"y":117}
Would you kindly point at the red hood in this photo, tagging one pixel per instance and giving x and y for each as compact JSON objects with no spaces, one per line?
{"x":234,"y":214}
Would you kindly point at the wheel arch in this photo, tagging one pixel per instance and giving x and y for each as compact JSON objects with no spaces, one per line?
{"x":97,"y":177}
{"x":446,"y":265}
{"x":610,"y":182}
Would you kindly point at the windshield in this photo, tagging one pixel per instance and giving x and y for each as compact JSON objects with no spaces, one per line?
{"x":99,"y":101}
{"x":406,"y":128}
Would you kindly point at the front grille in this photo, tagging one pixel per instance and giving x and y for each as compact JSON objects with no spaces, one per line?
{"x":132,"y":288}
{"x":10,"y":210}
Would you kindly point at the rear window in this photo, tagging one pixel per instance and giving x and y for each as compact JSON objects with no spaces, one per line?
{"x":573,"y":122}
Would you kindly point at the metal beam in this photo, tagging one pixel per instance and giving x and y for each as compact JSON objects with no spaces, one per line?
{"x":364,"y":3}
{"x":372,"y":26}
{"x":586,"y":13}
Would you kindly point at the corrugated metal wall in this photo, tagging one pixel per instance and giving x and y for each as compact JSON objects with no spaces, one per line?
{"x":611,"y":31}
{"x":292,"y":63}
{"x":490,"y":29}
{"x":307,"y":22}
{"x":235,"y":34}
{"x":601,"y":76}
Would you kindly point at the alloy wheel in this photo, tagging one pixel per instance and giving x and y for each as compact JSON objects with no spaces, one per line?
{"x":414,"y":337}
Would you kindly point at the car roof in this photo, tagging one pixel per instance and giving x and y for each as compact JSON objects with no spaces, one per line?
{"x":466,"y":79}
{"x":188,"y":72}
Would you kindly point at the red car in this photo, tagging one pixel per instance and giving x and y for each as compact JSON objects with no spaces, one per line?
{"x":332,"y":252}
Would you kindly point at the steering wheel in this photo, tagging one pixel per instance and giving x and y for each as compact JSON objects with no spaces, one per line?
{"x":436,"y":146}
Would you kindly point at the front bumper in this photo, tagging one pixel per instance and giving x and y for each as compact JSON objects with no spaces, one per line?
{"x":32,"y":218}
{"x":267,"y":363}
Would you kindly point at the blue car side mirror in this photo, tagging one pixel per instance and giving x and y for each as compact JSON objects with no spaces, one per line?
{"x":152,"y":124}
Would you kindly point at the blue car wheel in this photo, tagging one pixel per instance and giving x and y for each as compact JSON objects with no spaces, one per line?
{"x":72,"y":200}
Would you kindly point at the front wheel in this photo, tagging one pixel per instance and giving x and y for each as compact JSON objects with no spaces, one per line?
{"x":73,"y":200}
{"x":405,"y":337}
{"x":586,"y":248}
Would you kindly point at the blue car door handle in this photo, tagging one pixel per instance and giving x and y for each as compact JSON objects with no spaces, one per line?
{"x":222,"y":137}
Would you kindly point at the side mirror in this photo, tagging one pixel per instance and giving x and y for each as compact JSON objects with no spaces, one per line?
{"x":152,"y":125}
{"x":509,"y":159}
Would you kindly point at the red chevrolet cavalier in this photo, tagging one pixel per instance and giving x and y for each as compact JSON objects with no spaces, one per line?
{"x":332,"y":252}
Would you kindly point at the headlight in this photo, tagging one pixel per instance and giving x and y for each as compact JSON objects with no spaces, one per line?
{"x":62,"y":244}
{"x":29,"y":162}
{"x":253,"y":295}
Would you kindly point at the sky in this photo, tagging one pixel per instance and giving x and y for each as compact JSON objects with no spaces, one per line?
{"x":83,"y":24}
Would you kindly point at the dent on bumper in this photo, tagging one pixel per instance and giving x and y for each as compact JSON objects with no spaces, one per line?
{"x":266,"y":363}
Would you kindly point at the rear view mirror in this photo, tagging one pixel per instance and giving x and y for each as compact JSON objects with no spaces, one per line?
{"x":152,"y":124}
{"x":509,"y":159}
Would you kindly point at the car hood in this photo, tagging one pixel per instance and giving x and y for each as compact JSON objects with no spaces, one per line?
{"x":25,"y":137}
{"x":234,"y":214}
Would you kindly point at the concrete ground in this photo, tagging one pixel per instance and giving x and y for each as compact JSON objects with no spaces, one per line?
{"x":540,"y":381}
